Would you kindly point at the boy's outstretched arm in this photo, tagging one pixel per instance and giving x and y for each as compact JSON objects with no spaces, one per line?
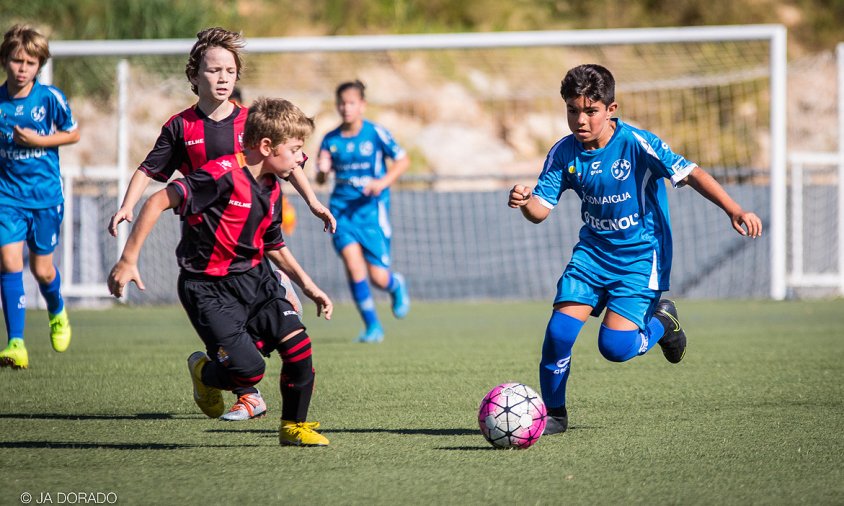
{"x":126,"y":269}
{"x":396,"y":169}
{"x":29,"y":137}
{"x":299,"y":180}
{"x":134,"y":191}
{"x":744,"y":222}
{"x":323,"y":166}
{"x":283,"y":258}
{"x":522,"y":197}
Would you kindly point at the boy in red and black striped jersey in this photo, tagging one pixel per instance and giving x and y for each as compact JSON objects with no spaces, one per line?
{"x":231,"y":209}
{"x":209,"y":129}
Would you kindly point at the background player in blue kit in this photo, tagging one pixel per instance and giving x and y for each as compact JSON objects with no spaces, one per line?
{"x":622,"y":261}
{"x":357,"y":151}
{"x":35,"y":119}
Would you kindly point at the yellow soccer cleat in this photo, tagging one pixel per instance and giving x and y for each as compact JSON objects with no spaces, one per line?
{"x":14,"y":355}
{"x":60,"y":331}
{"x":209,"y":399}
{"x":300,"y":434}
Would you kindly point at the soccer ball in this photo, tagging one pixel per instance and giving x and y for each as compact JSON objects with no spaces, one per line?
{"x":512,"y":415}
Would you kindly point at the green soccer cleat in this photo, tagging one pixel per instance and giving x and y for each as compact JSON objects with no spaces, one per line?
{"x":15,"y":355}
{"x":60,"y":331}
{"x":673,"y":343}
{"x":209,"y":399}
{"x":300,"y":434}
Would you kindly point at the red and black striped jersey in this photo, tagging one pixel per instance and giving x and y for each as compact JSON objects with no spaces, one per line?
{"x":189,"y":139}
{"x":229,"y":219}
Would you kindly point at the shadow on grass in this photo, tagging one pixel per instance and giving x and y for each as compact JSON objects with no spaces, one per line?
{"x":406,"y":432}
{"x":108,"y":446}
{"x":58,"y":416}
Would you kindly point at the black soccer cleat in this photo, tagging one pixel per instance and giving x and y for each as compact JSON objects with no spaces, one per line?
{"x":557,"y":421}
{"x":673,"y":343}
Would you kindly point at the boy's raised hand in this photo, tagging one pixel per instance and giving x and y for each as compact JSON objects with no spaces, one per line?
{"x":119,"y":217}
{"x":121,"y":274}
{"x":752,"y":224}
{"x":519,"y":196}
{"x":328,"y":220}
{"x":324,"y":305}
{"x":26,"y":137}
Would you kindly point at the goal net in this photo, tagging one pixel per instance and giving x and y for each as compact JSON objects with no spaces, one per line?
{"x":477,"y":113}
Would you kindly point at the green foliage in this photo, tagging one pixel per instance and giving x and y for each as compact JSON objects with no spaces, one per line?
{"x":119,"y":19}
{"x":818,"y":26}
{"x":753,"y":414}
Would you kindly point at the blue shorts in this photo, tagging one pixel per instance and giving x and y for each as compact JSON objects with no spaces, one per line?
{"x":637,"y":304}
{"x":40,"y":228}
{"x":368,"y":226}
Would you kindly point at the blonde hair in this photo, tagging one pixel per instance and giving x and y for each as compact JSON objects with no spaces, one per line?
{"x":27,"y":38}
{"x":209,"y":38}
{"x":276,"y":119}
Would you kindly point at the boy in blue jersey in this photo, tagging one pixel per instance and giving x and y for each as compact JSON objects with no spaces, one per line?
{"x":622,"y":261}
{"x":357,"y":151}
{"x":35,"y":120}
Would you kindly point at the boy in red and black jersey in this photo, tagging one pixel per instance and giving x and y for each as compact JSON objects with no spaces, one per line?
{"x":191,"y":138}
{"x":209,"y":129}
{"x":231,"y":209}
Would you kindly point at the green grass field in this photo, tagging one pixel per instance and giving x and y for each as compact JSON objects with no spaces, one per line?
{"x":753,"y":415}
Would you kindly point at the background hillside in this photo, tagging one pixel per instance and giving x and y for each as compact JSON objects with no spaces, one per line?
{"x":458,"y":114}
{"x":813,"y":24}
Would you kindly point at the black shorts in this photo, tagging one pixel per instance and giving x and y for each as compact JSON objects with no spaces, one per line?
{"x":238,"y":314}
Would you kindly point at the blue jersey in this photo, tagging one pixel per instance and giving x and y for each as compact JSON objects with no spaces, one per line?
{"x":359,"y":159}
{"x":30,"y":177}
{"x":626,"y":233}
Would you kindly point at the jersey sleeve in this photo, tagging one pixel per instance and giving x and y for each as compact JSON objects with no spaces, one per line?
{"x":662,"y":160}
{"x":551,"y":184}
{"x":168,"y":155}
{"x":62,"y":116}
{"x":198,"y":190}
{"x":273,"y":237}
{"x":389,"y":145}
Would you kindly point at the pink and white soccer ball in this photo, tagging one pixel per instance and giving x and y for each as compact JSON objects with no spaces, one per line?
{"x":512,"y":415}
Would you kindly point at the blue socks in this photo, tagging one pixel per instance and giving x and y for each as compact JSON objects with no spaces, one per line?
{"x":53,"y":295}
{"x":622,"y":345}
{"x":560,"y":335}
{"x":554,"y":367}
{"x":364,"y":302}
{"x":14,"y":303}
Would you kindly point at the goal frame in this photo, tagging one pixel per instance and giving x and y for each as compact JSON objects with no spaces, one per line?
{"x":775,"y":35}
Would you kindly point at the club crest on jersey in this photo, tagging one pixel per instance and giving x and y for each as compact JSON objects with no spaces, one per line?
{"x":38,"y":113}
{"x":366,"y":148}
{"x":621,"y":169}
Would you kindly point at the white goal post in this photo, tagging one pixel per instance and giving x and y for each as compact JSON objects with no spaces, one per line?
{"x":773,"y":35}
